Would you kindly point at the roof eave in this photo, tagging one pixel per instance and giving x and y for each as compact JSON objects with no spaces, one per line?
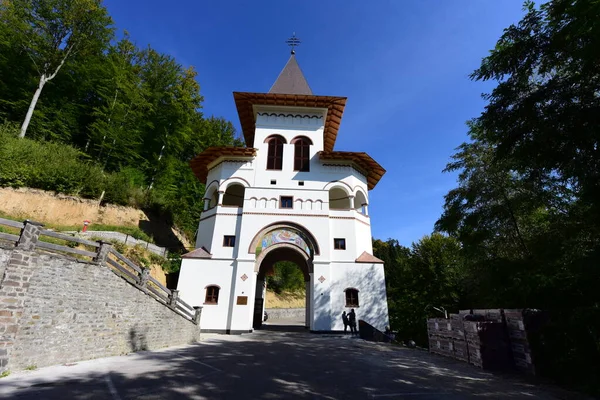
{"x":246,"y":100}
{"x":200,"y":164}
{"x":362,"y":160}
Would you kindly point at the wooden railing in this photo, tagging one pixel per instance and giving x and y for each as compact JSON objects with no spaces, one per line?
{"x":30,"y":235}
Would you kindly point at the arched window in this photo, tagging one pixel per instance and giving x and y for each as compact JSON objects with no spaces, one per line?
{"x":360,"y":202}
{"x":234,"y":195}
{"x":212,"y":294}
{"x":275,"y":152}
{"x":338,"y":199}
{"x":351,"y":297}
{"x":302,"y":154}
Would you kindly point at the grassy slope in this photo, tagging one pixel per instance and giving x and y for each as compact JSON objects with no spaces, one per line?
{"x":286,"y":299}
{"x":130,"y":230}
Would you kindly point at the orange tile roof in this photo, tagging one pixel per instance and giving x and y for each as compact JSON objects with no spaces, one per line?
{"x":201,"y":162}
{"x":368,"y":259}
{"x":362,"y":160}
{"x":200,"y":252}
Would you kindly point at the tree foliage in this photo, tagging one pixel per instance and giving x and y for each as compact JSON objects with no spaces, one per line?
{"x":287,"y":277}
{"x":132,"y":113}
{"x":51,"y":32}
{"x":420,"y":280}
{"x":523,"y":223}
{"x":527,"y":207}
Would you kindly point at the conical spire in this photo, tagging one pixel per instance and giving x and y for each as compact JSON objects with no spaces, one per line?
{"x":291,"y":80}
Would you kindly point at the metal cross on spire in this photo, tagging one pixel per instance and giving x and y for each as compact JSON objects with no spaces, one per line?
{"x":293,"y":42}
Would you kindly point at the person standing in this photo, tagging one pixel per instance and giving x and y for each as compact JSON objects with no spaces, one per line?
{"x":352,"y":321}
{"x":345,"y":321}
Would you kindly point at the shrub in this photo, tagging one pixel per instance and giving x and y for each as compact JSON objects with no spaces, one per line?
{"x":287,"y":277}
{"x":61,"y":168}
{"x":171,"y":264}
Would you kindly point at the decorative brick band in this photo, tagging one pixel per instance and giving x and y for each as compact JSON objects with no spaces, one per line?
{"x":287,"y":215}
{"x":215,"y":214}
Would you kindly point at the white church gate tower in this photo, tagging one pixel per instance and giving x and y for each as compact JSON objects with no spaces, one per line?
{"x":286,"y":196}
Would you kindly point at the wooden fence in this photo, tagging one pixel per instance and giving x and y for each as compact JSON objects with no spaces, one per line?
{"x":30,"y":235}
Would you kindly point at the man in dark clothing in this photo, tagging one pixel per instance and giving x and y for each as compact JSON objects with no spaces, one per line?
{"x":345,"y":321}
{"x":352,"y":321}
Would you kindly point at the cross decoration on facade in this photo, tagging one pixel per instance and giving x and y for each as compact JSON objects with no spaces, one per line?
{"x":244,"y":277}
{"x":293,"y":42}
{"x":321,"y":279}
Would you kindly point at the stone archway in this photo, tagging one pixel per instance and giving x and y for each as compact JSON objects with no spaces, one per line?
{"x":264,"y":265}
{"x":310,"y":243}
{"x":282,"y":242}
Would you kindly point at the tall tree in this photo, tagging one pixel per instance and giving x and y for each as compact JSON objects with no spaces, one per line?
{"x":419,"y":280}
{"x":117,"y":131}
{"x":527,"y":208}
{"x":53,"y":31}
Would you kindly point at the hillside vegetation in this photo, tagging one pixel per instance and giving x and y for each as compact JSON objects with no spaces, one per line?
{"x":115,"y":120}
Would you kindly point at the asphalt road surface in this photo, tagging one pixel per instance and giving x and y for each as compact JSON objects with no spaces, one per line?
{"x":281,"y":362}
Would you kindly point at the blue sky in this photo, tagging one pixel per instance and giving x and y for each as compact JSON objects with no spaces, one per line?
{"x":403,"y":65}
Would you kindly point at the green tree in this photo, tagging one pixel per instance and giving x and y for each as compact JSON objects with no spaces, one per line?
{"x":287,"y":277}
{"x":51,"y":32}
{"x":527,"y":207}
{"x":117,"y":131}
{"x":419,"y":280}
{"x":526,"y":210}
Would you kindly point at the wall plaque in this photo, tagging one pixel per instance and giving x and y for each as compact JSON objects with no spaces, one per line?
{"x":242,"y":300}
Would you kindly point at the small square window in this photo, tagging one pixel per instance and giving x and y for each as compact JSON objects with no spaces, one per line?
{"x":286,"y":202}
{"x":339,"y":244}
{"x":212,"y":295}
{"x":301,"y":183}
{"x":273,"y":182}
{"x":228,"y":241}
{"x":351,"y":297}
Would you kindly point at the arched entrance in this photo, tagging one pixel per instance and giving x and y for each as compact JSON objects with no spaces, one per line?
{"x":282,"y":242}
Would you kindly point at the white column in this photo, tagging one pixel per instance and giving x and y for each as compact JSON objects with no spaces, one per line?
{"x":206,"y":204}
{"x":351,"y":198}
{"x":220,"y":198}
{"x":366,"y":206}
{"x":307,"y":305}
{"x":242,"y":315}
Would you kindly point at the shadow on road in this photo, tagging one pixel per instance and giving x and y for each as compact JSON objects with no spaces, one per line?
{"x":283,"y":326}
{"x":279,"y":362}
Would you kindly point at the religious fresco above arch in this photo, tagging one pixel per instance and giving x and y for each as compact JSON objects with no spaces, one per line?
{"x":283,"y":235}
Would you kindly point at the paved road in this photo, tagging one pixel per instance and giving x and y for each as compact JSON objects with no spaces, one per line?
{"x":271,"y":364}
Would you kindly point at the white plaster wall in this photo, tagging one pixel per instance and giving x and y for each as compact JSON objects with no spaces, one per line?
{"x":227,"y":222}
{"x":364,"y":240}
{"x":206,"y":226}
{"x":369,"y":279}
{"x":311,"y":211}
{"x":343,"y":229}
{"x":289,"y":128}
{"x":322,"y":318}
{"x":194,"y":276}
{"x":242,"y":315}
{"x":224,"y":168}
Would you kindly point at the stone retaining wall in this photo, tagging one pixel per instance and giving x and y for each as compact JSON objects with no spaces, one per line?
{"x":55,"y":310}
{"x":4,"y":256}
{"x":286,"y":313}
